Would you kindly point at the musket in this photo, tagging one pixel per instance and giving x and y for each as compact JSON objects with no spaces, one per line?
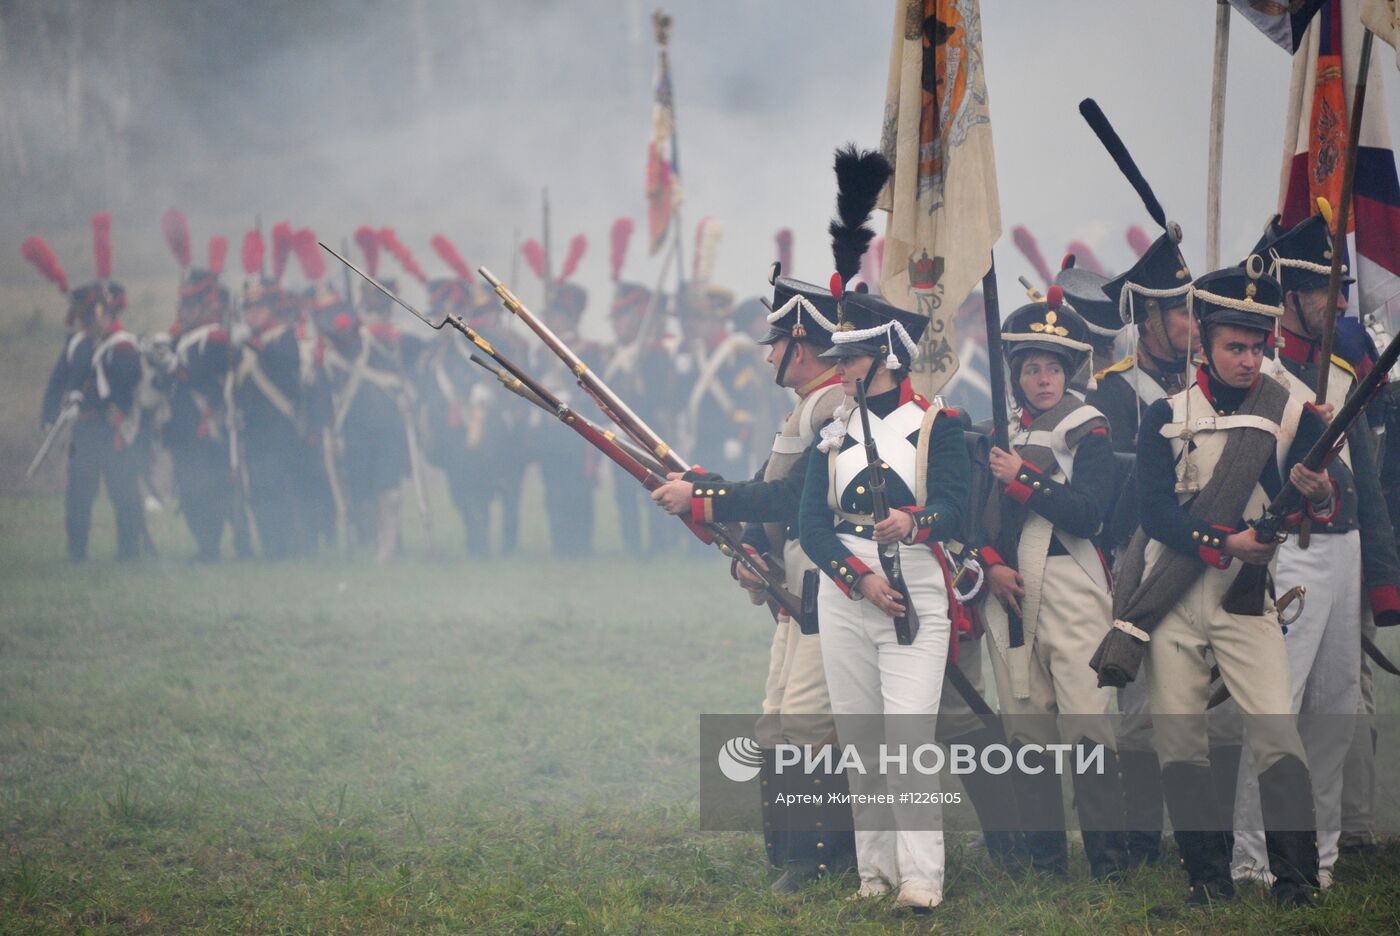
{"x":1269,"y":527}
{"x":620,"y":413}
{"x":906,"y":624}
{"x":996,"y":366}
{"x":65,"y":417}
{"x":1246,"y":592}
{"x":641,"y":465}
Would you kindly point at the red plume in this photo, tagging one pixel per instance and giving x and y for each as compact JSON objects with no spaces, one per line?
{"x":253,"y":252}
{"x":452,"y":258}
{"x":177,"y":235}
{"x":621,"y":236}
{"x":369,"y":246}
{"x":282,"y":238}
{"x":1054,"y":296}
{"x":1084,"y":257}
{"x":218,"y":252}
{"x":1137,"y":239}
{"x":38,"y":252}
{"x":1031,"y":251}
{"x":837,"y":291}
{"x":577,"y":246}
{"x":102,"y":243}
{"x":784,"y":239}
{"x":391,"y":242}
{"x":309,"y":255}
{"x":534,"y":255}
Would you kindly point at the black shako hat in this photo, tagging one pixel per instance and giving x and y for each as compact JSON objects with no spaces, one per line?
{"x":800,"y":310}
{"x":1244,"y":296}
{"x":1084,"y":290}
{"x":1159,"y":280}
{"x":869,"y":326}
{"x":1051,"y":325}
{"x":1301,"y":256}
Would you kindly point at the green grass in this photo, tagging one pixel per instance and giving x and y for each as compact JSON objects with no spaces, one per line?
{"x":436,"y":746}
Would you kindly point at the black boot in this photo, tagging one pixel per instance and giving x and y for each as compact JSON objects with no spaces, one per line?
{"x":1142,"y":806}
{"x":817,"y":835}
{"x":1224,"y":778}
{"x":1204,"y":852}
{"x":774,"y":813}
{"x":1098,"y":798}
{"x":993,"y":796}
{"x":1290,"y":830}
{"x":1042,"y":809}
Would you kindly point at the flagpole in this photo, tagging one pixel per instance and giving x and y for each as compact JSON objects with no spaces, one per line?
{"x":1339,"y":240}
{"x":1217,"y":132}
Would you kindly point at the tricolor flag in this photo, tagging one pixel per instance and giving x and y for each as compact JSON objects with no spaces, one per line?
{"x":1283,"y":22}
{"x":663,"y":157}
{"x":1315,"y":136}
{"x":942,"y":199}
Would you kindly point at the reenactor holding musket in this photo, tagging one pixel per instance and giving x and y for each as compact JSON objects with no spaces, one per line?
{"x":193,"y":373}
{"x":93,"y":388}
{"x":1344,"y":549}
{"x":1050,"y":603}
{"x":267,"y":392}
{"x":796,"y":708}
{"x":1211,"y":461}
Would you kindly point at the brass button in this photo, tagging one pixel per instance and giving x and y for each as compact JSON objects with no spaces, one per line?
{"x":860,"y":489}
{"x":1195,"y":534}
{"x":1036,"y":485}
{"x":833,"y":563}
{"x":843,"y":570}
{"x":821,"y":867}
{"x":860,"y":529}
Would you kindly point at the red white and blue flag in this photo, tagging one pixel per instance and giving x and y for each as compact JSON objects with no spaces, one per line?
{"x":663,"y":156}
{"x":1315,"y":137}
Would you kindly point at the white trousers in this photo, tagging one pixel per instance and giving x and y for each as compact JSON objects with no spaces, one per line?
{"x":871,"y":677}
{"x":1324,"y":658}
{"x":796,"y":707}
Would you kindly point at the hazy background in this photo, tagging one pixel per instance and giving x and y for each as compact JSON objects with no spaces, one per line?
{"x":447,"y":115}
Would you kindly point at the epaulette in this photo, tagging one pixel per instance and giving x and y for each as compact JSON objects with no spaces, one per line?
{"x":1117,"y":367}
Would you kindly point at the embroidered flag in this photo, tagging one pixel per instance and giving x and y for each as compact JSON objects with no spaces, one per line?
{"x":944,"y":213}
{"x":1315,"y":135}
{"x":663,"y":158}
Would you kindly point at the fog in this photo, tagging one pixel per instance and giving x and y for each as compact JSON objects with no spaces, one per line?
{"x":436,"y":115}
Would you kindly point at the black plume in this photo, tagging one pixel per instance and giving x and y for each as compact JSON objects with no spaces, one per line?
{"x":1089,"y":108}
{"x":859,"y":179}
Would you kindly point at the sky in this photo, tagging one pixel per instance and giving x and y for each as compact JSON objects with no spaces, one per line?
{"x":452,"y":116}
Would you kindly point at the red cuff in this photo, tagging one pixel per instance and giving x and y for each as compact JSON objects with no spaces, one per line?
{"x":847,"y":572}
{"x":923,"y":522}
{"x":990,"y":557}
{"x":1210,"y":548}
{"x":701,"y":510}
{"x":1385,"y":605}
{"x":1335,"y":501}
{"x":1024,"y":484}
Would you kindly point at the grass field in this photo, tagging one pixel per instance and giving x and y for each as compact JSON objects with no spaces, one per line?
{"x":432,"y":747}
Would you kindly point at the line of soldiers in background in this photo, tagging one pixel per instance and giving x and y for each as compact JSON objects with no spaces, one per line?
{"x":295,"y":417}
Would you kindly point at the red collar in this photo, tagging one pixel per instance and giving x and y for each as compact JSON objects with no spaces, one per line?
{"x":906,"y":391}
{"x":1026,"y":419}
{"x":1203,"y":381}
{"x":1299,"y":348}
